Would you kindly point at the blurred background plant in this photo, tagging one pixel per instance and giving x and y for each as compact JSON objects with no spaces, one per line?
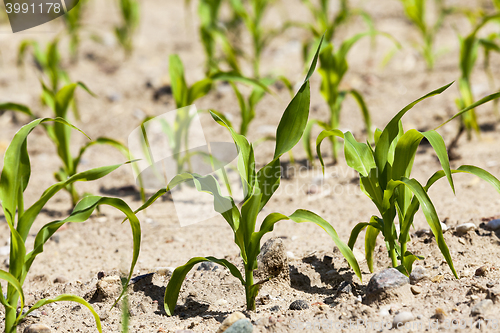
{"x":130,"y":18}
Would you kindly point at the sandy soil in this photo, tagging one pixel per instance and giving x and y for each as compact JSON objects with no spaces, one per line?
{"x":102,"y":244}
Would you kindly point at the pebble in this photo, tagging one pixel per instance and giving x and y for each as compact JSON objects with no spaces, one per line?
{"x":344,"y":288}
{"x":490,"y":284}
{"x":290,"y":255}
{"x":221,"y":302}
{"x":464,"y":228}
{"x":384,"y":311}
{"x":387,"y":279}
{"x":275,"y":308}
{"x":6,"y":262}
{"x":481,"y":271}
{"x":493,"y":224}
{"x":164,"y":271}
{"x":114,"y":97}
{"x":461,"y":241}
{"x":299,"y":305}
{"x":37,"y":328}
{"x":401,"y":318}
{"x":109,"y":286}
{"x":494,"y":295}
{"x":230,"y":320}
{"x":207,"y":266}
{"x":444,"y":227}
{"x":417,"y":274}
{"x":481,"y":307}
{"x":272,"y":261}
{"x":241,"y":326}
{"x":61,"y":279}
{"x":423,"y":232}
{"x":416,"y":290}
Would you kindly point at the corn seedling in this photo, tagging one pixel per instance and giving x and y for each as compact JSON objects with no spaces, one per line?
{"x":258,"y":189}
{"x":129,"y":10}
{"x":252,"y":18}
{"x":469,"y":47}
{"x":73,"y":21}
{"x":185,"y":95}
{"x":415,"y":11}
{"x":333,"y":67}
{"x":13,"y":183}
{"x":385,"y":172}
{"x":214,"y":38}
{"x":326,"y":24}
{"x":61,"y":136}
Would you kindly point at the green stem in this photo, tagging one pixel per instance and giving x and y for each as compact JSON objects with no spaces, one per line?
{"x":403,"y":251}
{"x":250,"y":296}
{"x":10,"y":314}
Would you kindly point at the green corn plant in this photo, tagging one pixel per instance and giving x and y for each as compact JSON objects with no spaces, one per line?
{"x":73,"y":21}
{"x":385,"y":172}
{"x":130,"y":16}
{"x":213,"y":34}
{"x":252,"y":19}
{"x":48,"y":61}
{"x":469,"y":47}
{"x":14,"y":180}
{"x":326,"y":24}
{"x":415,"y":11}
{"x":185,"y":95}
{"x":61,"y":136}
{"x":259,"y":187}
{"x":333,"y":67}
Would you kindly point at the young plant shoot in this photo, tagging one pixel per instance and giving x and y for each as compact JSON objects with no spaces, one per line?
{"x":259,"y":186}
{"x":385,"y":172}
{"x":13,"y":183}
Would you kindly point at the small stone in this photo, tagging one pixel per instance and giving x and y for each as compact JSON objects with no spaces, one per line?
{"x":444,"y":227}
{"x":493,"y":224}
{"x":464,"y":228}
{"x":35,"y":314}
{"x":299,"y":305}
{"x":272,"y":261}
{"x":164,"y":271}
{"x":241,"y":326}
{"x":387,"y":279}
{"x":384,"y":311}
{"x":438,"y":278}
{"x":275,"y":308}
{"x":418,"y":274}
{"x":6,"y":262}
{"x":481,"y":271}
{"x":416,"y":290}
{"x":290,"y":255}
{"x":114,"y":97}
{"x":344,"y":288}
{"x":481,"y":307}
{"x":401,"y":318}
{"x":207,"y":266}
{"x":61,"y":279}
{"x":230,"y":320}
{"x":490,"y":284}
{"x":358,"y":299}
{"x":100,"y":275}
{"x":109,"y":287}
{"x":423,"y":232}
{"x":461,"y":241}
{"x":37,"y":328}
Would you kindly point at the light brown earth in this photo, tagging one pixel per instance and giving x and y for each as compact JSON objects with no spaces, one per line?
{"x":103,"y":244}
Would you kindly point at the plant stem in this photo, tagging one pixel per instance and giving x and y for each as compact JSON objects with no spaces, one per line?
{"x":10,"y":314}
{"x":250,"y":296}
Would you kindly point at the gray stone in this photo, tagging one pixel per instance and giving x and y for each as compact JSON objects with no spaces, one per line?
{"x":344,"y":288}
{"x":390,"y":284}
{"x":272,"y":261}
{"x":275,"y":308}
{"x":401,"y":318}
{"x":493,"y":224}
{"x":464,"y":228}
{"x":230,"y":320}
{"x":299,"y":305}
{"x":418,"y":273}
{"x":241,"y":326}
{"x":494,"y":295}
{"x":387,"y":279}
{"x":207,"y":266}
{"x":37,"y":328}
{"x":481,"y":307}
